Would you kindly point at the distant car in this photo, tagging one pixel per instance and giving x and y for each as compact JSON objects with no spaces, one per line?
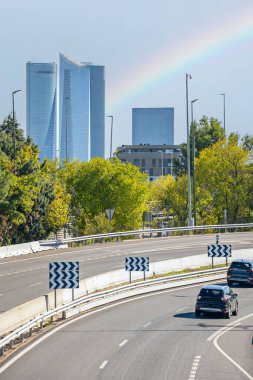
{"x":216,"y":299}
{"x":240,"y":271}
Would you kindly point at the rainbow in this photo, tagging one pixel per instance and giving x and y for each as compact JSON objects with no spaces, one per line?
{"x":170,"y":62}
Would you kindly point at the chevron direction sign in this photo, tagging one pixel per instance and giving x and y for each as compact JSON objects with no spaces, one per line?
{"x":64,"y":275}
{"x":217,"y":250}
{"x":137,"y":264}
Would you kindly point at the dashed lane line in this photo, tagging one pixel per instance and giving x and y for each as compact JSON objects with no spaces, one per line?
{"x":123,"y":343}
{"x":103,"y":364}
{"x":194,"y":367}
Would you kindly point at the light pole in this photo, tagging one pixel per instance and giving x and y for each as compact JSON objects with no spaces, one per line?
{"x":13,"y":124}
{"x":188,"y":76}
{"x":193,"y":165}
{"x":160,"y":151}
{"x":66,"y":140}
{"x":224,"y":111}
{"x":111,"y":134}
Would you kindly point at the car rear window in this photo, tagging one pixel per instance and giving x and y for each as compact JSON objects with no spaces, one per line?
{"x":240,"y":265}
{"x":211,"y":293}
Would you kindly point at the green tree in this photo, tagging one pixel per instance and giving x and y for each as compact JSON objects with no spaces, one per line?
{"x":6,"y":137}
{"x":207,"y":133}
{"x":99,"y":185}
{"x":223,"y":172}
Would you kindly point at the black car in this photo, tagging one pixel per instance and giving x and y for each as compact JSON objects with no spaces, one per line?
{"x":240,"y":271}
{"x":216,"y":299}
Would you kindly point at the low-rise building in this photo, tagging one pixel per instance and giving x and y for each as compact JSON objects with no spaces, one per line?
{"x":155,"y":160}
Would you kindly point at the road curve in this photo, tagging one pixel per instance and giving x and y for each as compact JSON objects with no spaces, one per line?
{"x":23,"y":278}
{"x":152,"y":337}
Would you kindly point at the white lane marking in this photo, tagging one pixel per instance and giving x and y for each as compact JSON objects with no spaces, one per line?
{"x":103,"y":364}
{"x":184,"y":308}
{"x":147,"y":324}
{"x":194,"y":367}
{"x":211,"y":337}
{"x":1,"y":295}
{"x":117,"y":266}
{"x":123,"y":343}
{"x":215,"y":342}
{"x":37,"y":283}
{"x":44,"y":337}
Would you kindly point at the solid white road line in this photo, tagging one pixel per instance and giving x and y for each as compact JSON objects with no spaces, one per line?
{"x":123,"y":343}
{"x":211,"y":337}
{"x":103,"y":364}
{"x":215,"y":342}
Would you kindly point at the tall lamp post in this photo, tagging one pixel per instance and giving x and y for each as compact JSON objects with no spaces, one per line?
{"x":13,"y":124}
{"x":188,"y":76}
{"x":224,"y":111}
{"x":160,"y":151}
{"x":111,"y":116}
{"x":193,"y":165}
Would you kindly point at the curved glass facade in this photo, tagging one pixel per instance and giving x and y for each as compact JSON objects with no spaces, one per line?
{"x":81,"y":110}
{"x":41,"y":81}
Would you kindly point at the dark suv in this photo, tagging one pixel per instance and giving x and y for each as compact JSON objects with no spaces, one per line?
{"x":216,"y":299}
{"x":240,"y":271}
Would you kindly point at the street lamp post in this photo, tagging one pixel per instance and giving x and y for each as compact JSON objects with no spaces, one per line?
{"x":13,"y":124}
{"x":160,"y":151}
{"x":188,"y":76}
{"x":224,"y":111}
{"x":193,"y":165}
{"x":111,"y":134}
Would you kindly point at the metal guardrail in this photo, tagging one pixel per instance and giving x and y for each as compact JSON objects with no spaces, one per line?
{"x":146,"y":232}
{"x":18,"y":333}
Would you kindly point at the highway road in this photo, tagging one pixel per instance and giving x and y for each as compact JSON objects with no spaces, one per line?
{"x":25,"y":277}
{"x":152,"y":337}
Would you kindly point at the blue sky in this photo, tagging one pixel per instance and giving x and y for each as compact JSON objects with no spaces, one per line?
{"x":130,"y":38}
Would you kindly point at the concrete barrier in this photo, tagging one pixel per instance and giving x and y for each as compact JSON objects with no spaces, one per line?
{"x":19,"y":315}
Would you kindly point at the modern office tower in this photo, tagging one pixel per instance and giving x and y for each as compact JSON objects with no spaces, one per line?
{"x":82,"y":110}
{"x":154,"y":126}
{"x":41,"y":80}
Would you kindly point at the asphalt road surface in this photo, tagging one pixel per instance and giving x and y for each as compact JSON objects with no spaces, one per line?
{"x":152,"y":337}
{"x":26,"y":277}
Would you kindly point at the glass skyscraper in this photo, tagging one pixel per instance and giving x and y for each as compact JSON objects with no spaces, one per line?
{"x":82,"y":110}
{"x":41,"y":81}
{"x":154,"y":126}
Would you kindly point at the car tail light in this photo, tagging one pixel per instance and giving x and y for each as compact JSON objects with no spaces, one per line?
{"x":199,"y":298}
{"x":250,"y":271}
{"x":224,"y":299}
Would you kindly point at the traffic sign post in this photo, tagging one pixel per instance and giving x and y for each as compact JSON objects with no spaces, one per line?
{"x":136,"y":264}
{"x":219,"y":250}
{"x":63,"y":275}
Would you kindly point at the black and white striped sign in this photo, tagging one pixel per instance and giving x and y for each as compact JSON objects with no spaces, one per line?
{"x":64,"y":275}
{"x":218,"y":250}
{"x":137,"y":264}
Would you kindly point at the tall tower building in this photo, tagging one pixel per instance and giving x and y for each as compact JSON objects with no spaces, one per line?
{"x":82,"y":110}
{"x":41,"y":81}
{"x":154,"y":126}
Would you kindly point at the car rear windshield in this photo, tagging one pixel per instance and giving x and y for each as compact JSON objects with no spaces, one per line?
{"x":240,"y":265}
{"x":211,"y":293}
